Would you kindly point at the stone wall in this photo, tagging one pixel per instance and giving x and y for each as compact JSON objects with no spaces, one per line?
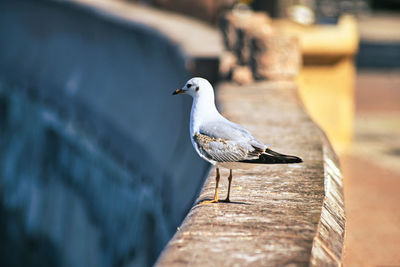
{"x":96,"y":164}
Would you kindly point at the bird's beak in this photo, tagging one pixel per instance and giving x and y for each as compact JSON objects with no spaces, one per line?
{"x":178,"y":91}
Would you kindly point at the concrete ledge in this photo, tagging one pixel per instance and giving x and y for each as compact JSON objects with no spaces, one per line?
{"x":281,"y":215}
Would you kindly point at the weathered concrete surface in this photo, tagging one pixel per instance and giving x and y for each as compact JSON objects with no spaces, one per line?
{"x":280,"y":215}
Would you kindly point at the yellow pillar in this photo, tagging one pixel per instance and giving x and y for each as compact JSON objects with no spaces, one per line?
{"x":326,"y":80}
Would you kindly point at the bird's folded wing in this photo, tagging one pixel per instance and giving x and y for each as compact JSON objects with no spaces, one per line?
{"x":225,"y":150}
{"x":226,"y":130}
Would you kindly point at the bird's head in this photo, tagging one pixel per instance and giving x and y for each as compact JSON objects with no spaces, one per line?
{"x":196,"y":87}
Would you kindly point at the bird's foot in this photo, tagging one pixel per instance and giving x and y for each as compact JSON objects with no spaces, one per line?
{"x":206,"y":202}
{"x":226,"y":200}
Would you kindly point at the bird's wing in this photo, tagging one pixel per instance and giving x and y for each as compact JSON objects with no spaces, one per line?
{"x":223,"y":150}
{"x":224,"y":129}
{"x":226,"y":142}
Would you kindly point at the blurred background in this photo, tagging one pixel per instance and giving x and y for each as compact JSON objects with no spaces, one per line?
{"x":88,"y":171}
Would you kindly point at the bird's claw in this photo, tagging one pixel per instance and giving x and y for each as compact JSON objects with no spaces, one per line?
{"x":206,"y":202}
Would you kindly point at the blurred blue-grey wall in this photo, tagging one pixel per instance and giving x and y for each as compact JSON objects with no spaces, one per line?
{"x":96,"y":164}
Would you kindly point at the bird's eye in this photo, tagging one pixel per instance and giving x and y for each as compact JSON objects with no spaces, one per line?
{"x":197,"y":89}
{"x":189,"y":85}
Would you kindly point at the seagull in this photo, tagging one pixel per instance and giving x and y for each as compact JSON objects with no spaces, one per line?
{"x":220,"y":141}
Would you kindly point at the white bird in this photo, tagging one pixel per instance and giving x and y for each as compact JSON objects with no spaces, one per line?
{"x":220,"y":141}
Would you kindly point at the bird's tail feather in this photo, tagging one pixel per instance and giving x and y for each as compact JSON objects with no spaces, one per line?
{"x":272,"y":157}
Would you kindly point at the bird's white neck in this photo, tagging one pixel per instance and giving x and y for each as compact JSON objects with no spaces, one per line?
{"x":203,"y":110}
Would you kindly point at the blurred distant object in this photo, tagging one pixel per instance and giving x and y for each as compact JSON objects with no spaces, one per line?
{"x":380,"y":27}
{"x":326,"y":80}
{"x":254,"y":44}
{"x":241,"y":9}
{"x":385,"y":5}
{"x":227,"y":62}
{"x":311,"y":11}
{"x":236,"y":24}
{"x":301,"y":14}
{"x":304,"y":12}
{"x":242,"y":75}
{"x":318,"y":41}
{"x":376,"y":84}
{"x":246,"y":2}
{"x":275,"y":57}
{"x":208,"y":10}
{"x":380,"y":40}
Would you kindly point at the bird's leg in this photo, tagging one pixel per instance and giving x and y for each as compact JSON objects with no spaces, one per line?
{"x":229,"y":186}
{"x":215,"y":200}
{"x":216,"y":186}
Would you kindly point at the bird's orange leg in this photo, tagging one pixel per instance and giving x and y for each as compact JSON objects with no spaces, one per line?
{"x":215,"y":200}
{"x":229,"y":186}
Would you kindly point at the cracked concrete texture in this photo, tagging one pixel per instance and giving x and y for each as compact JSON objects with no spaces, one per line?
{"x":275,"y":216}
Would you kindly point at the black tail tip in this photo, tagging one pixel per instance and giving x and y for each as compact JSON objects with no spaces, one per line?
{"x":298,"y":160}
{"x":293,"y":159}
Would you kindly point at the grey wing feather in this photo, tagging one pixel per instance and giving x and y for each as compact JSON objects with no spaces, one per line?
{"x":224,"y":129}
{"x":223,"y":150}
{"x":230,"y":131}
{"x":218,"y":149}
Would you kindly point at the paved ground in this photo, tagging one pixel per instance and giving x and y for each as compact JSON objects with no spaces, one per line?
{"x":371,"y":172}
